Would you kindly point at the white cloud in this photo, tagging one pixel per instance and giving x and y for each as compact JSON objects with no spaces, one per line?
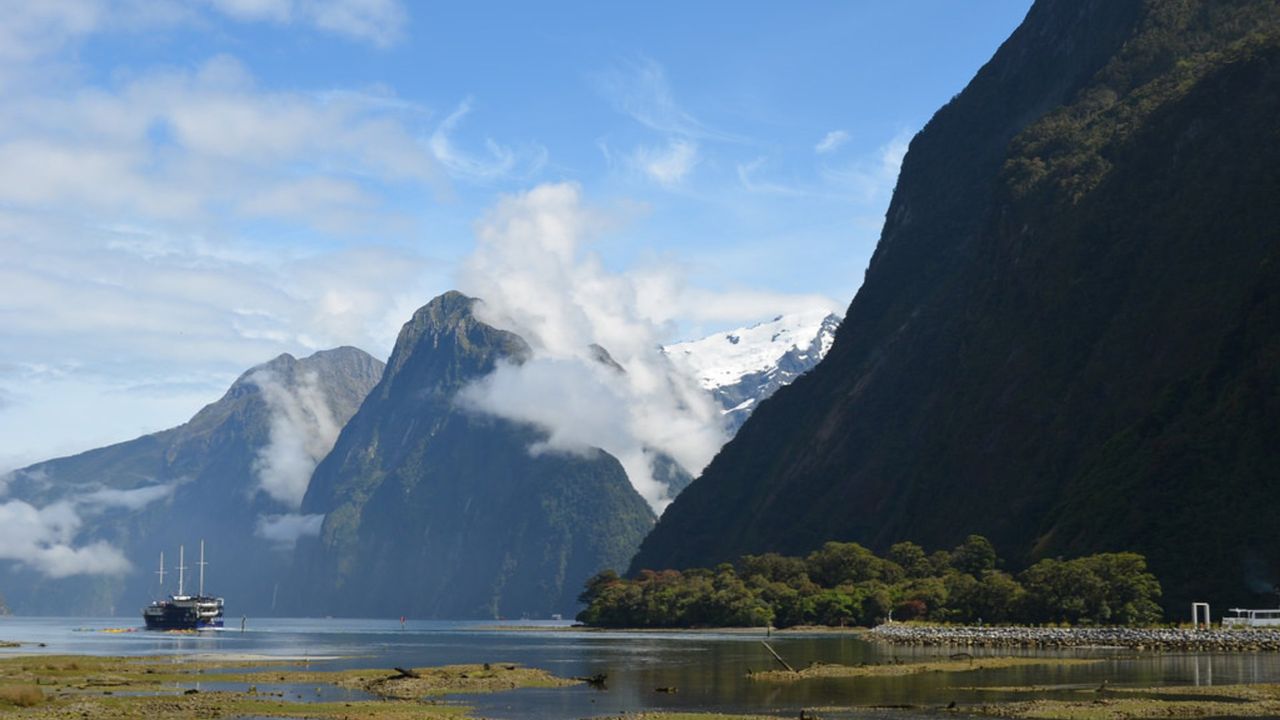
{"x":501,"y":161}
{"x":286,"y":529}
{"x":536,"y":278}
{"x":269,"y":10}
{"x":668,"y":165}
{"x":192,"y":146}
{"x":831,"y":142}
{"x":32,"y":29}
{"x":302,"y":432}
{"x":43,"y":539}
{"x":380,"y":22}
{"x":133,"y":499}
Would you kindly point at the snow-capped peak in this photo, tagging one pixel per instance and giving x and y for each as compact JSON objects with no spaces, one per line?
{"x":742,"y":367}
{"x":725,"y":358}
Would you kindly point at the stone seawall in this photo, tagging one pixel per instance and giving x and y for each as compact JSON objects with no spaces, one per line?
{"x":1163,"y":639}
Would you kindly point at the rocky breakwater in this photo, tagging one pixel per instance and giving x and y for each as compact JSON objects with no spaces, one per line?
{"x":1158,"y":639}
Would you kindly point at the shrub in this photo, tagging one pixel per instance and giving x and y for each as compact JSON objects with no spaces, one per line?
{"x":21,"y":695}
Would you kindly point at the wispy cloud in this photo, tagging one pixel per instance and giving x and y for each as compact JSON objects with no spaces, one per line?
{"x":668,"y":165}
{"x":747,"y":178}
{"x":131,"y":499}
{"x":831,"y":142}
{"x":500,"y":161}
{"x":871,"y":179}
{"x":639,"y":90}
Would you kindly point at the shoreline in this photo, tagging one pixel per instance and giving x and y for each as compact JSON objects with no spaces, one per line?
{"x":762,"y":632}
{"x":1036,"y":638}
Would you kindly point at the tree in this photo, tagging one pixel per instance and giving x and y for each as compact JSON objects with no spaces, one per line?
{"x":838,"y":563}
{"x":975,"y":556}
{"x":1130,"y":591}
{"x":911,"y":558}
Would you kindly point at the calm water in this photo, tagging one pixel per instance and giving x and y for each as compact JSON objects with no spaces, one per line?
{"x":709,"y":670}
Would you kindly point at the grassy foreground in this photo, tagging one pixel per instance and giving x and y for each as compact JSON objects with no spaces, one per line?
{"x":159,"y":688}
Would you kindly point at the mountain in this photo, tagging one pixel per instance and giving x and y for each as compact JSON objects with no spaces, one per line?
{"x":1068,"y":338}
{"x":433,"y":510}
{"x":233,"y":475}
{"x":743,"y":367}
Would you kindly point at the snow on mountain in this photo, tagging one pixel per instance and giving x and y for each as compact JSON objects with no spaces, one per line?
{"x":743,"y":367}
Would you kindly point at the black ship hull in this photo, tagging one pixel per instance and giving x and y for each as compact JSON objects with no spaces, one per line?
{"x":184,"y":613}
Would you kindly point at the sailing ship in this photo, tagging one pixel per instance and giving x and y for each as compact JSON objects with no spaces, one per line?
{"x":182,"y":611}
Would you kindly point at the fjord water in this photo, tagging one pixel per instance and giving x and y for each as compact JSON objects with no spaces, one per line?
{"x":707,"y":670}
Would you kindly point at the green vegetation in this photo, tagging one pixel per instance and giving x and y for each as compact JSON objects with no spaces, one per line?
{"x":846,"y":584}
{"x":153,"y":688}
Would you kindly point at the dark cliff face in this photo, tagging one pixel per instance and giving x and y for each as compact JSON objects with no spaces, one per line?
{"x":1067,"y":339}
{"x":209,"y":464}
{"x":435,"y":511}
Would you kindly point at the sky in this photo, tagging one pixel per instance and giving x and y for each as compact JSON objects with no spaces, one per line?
{"x":189,"y":188}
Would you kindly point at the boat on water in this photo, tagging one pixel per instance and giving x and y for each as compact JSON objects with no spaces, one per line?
{"x":181,"y":611}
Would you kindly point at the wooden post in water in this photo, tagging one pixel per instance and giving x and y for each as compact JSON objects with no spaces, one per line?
{"x":776,"y":656}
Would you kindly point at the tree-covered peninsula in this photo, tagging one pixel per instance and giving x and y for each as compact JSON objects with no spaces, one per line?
{"x":845,"y":584}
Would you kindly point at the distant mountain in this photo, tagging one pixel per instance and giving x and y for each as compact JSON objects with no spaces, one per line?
{"x":743,"y":367}
{"x":432,"y":510}
{"x":233,"y":475}
{"x":1068,"y":338}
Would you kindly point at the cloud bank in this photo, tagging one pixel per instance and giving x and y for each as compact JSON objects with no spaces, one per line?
{"x":303,"y":430}
{"x":535,"y":277}
{"x":43,"y":538}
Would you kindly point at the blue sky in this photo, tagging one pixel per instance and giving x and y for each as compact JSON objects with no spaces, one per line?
{"x":189,"y":188}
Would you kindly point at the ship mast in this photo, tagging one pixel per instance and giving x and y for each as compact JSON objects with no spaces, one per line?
{"x":202,"y":563}
{"x":181,"y":568}
{"x":160,"y":572}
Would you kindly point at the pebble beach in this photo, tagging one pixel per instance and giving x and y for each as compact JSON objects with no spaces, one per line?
{"x":1156,"y":639}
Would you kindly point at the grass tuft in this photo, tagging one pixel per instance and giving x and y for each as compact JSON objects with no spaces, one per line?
{"x":21,"y":695}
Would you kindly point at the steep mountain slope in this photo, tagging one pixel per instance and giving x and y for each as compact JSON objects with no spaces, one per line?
{"x":1068,"y":337}
{"x":219,"y":477}
{"x":743,"y":367}
{"x":435,"y":511}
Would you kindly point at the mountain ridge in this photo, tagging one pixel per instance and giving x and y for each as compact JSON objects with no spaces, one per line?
{"x":198,"y":480}
{"x":1033,"y":354}
{"x":433,"y":510}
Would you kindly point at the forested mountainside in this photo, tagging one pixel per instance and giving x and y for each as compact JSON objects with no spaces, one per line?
{"x":433,"y":510}
{"x":1068,"y":339}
